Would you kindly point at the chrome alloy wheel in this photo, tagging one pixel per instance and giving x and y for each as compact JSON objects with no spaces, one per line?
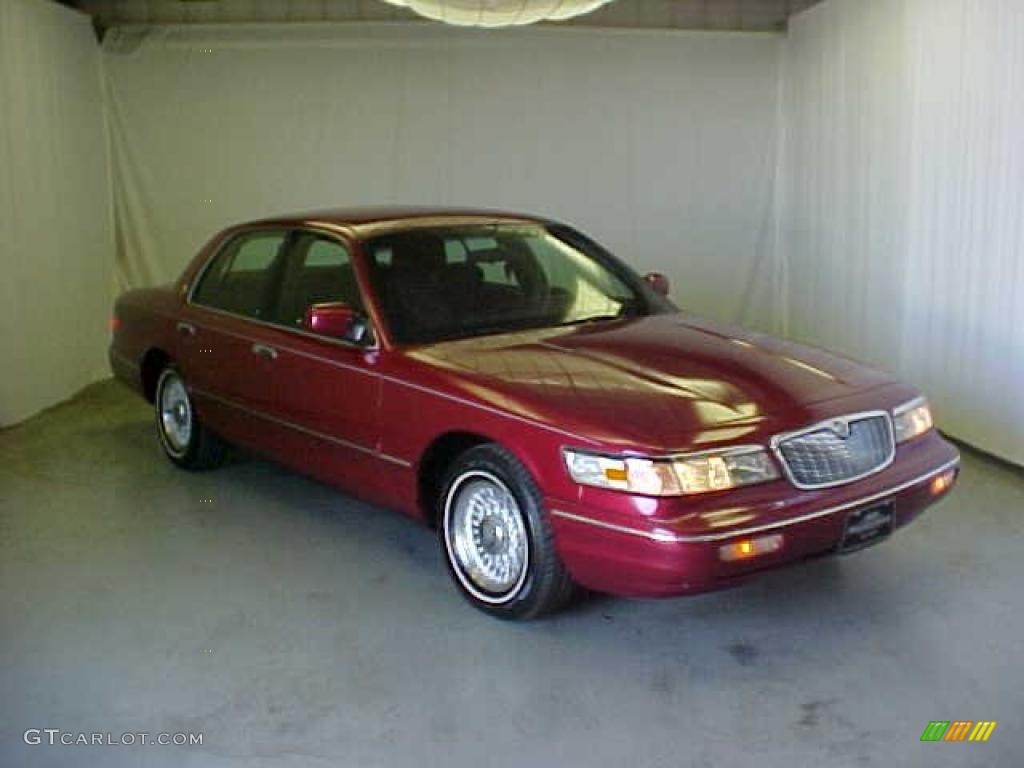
{"x":175,"y":414}
{"x":486,"y":537}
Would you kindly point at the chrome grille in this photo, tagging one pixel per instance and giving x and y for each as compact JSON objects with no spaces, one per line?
{"x":837,"y":451}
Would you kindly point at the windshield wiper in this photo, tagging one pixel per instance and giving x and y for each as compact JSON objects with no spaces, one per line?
{"x":591,"y":319}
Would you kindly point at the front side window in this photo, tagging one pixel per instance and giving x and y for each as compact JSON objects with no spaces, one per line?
{"x":319,"y":271}
{"x":242,"y":277}
{"x":456,"y":282}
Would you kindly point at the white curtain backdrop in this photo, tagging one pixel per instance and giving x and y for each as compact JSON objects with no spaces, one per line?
{"x":660,"y":144}
{"x":858,"y":184}
{"x":901,"y":204}
{"x":56,"y":233}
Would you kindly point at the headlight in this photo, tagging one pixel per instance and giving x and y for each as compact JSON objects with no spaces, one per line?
{"x":911,"y":419}
{"x":676,"y":476}
{"x":719,"y":470}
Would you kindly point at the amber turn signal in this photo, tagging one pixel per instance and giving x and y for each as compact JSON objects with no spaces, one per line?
{"x":942,"y":483}
{"x":744,"y":549}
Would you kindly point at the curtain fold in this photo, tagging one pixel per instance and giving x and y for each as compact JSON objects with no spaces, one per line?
{"x":55,"y":219}
{"x":902,"y":199}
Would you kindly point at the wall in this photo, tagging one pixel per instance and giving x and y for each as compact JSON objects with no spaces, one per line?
{"x":660,"y":144}
{"x":891,"y":232}
{"x":901,"y":199}
{"x":55,"y":210}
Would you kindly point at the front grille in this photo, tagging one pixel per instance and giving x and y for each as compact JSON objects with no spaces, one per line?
{"x":825,"y":455}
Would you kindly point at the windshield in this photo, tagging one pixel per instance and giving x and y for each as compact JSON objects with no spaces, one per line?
{"x":454,"y":282}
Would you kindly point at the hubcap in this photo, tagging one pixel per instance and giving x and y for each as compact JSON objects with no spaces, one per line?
{"x":175,"y":413}
{"x":486,"y":536}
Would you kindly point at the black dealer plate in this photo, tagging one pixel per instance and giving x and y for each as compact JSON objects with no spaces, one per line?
{"x":865,"y":527}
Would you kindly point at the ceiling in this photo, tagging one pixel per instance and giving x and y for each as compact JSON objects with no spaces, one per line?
{"x":655,"y":14}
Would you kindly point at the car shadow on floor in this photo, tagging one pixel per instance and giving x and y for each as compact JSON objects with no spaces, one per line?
{"x":837,"y":589}
{"x":815,"y":587}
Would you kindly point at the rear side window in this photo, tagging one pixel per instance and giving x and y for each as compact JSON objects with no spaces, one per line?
{"x":242,"y":277}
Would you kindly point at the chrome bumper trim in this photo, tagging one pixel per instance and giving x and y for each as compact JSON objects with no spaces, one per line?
{"x":667,"y":537}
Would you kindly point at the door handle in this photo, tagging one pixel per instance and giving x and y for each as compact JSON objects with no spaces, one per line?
{"x":186,"y":329}
{"x":267,"y":353}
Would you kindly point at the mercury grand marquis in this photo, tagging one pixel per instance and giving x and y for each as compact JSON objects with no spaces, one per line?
{"x":505,"y":379}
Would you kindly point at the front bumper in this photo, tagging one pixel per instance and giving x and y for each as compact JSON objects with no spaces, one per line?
{"x":667,"y":547}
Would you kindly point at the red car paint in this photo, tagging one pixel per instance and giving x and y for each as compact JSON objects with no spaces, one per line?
{"x":367,"y":420}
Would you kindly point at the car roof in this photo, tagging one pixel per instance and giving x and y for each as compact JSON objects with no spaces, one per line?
{"x":373,"y":220}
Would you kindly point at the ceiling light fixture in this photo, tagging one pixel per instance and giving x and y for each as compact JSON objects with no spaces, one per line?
{"x":498,"y":13}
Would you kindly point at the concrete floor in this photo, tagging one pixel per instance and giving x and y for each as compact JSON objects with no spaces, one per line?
{"x":293,"y":626}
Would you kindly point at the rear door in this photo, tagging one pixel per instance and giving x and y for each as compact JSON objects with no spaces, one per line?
{"x":221,"y":331}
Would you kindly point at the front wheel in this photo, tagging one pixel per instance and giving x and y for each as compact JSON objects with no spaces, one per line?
{"x":185,"y":440}
{"x":497,"y":543}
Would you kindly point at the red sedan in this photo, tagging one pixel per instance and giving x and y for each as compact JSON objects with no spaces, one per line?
{"x":548,"y":411}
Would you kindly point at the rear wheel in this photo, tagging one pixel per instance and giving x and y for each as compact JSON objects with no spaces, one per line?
{"x":496,"y":540}
{"x":185,"y":440}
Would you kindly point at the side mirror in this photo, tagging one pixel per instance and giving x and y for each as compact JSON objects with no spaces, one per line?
{"x":658,"y":282}
{"x":335,"y":319}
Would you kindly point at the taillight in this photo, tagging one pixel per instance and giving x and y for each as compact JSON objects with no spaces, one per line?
{"x":115,"y":323}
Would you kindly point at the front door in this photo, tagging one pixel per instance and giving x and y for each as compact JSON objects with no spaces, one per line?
{"x":325,"y":392}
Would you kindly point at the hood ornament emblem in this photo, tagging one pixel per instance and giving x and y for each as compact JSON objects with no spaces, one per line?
{"x":840,"y":428}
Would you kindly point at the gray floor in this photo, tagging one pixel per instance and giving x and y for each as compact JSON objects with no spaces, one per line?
{"x":291,"y":625}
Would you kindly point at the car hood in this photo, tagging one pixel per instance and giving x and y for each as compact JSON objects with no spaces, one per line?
{"x":664,"y":381}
